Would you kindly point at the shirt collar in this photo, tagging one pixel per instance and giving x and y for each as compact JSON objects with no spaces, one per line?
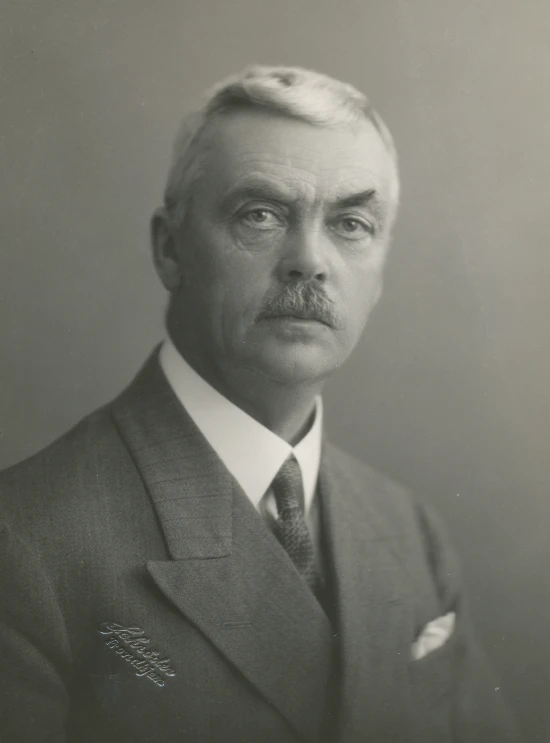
{"x":251,"y":452}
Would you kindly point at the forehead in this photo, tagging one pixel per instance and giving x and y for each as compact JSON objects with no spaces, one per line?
{"x":309,"y":162}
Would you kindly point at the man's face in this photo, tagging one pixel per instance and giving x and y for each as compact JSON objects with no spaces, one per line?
{"x":283,"y":249}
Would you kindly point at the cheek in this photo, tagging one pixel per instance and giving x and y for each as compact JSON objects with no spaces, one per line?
{"x":229,"y":285}
{"x":363,"y":289}
{"x":243,"y":287}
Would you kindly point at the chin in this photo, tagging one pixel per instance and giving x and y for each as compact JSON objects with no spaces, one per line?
{"x":299,"y":365}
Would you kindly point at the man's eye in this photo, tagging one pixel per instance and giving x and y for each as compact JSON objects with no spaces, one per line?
{"x":260,"y":218}
{"x":354,"y":228}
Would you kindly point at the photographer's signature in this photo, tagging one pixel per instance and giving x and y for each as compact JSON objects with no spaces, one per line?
{"x":133,"y":647}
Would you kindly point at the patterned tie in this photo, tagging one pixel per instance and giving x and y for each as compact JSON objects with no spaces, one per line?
{"x":290,"y":528}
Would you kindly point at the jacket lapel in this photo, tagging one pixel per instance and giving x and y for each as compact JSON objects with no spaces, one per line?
{"x":228,"y":574}
{"x":369,"y":586}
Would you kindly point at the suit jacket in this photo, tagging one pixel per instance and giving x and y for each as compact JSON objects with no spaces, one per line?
{"x":143,"y":599}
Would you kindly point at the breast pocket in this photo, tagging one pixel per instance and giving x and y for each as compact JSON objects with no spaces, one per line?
{"x":433,"y":676}
{"x":432,"y":679}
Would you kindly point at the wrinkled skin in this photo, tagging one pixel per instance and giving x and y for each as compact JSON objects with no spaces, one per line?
{"x":282,"y":207}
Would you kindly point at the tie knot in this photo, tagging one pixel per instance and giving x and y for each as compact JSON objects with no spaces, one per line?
{"x":287,"y":487}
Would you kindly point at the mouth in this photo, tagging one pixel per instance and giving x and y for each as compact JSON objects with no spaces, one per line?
{"x":305,"y":318}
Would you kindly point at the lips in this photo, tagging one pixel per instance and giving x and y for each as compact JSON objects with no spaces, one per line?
{"x":300,"y":316}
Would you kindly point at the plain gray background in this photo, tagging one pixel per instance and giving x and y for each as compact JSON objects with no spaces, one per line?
{"x":449,"y":392}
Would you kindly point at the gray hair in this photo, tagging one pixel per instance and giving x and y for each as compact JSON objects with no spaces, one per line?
{"x":292,"y":91}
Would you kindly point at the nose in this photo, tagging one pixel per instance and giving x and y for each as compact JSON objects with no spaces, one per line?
{"x":305,"y":257}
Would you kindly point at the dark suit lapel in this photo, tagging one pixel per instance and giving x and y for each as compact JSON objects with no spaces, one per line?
{"x":372,"y":617}
{"x":228,"y":574}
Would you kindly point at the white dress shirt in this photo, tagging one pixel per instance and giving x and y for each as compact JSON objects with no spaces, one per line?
{"x":251,"y":452}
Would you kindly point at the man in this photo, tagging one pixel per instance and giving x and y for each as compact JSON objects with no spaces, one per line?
{"x":195,"y":562}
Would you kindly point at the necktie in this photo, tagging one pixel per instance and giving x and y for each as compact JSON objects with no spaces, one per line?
{"x":290,"y":527}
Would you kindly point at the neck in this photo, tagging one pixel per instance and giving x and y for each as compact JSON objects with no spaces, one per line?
{"x":285,"y":409}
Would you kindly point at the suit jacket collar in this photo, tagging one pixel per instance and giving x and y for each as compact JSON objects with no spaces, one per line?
{"x":232,"y":579}
{"x":227,"y":573}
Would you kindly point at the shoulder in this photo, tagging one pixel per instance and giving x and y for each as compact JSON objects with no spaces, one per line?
{"x":370,"y":487}
{"x":71,"y":448}
{"x":397,"y":511}
{"x":78,"y":458}
{"x":41,"y":490}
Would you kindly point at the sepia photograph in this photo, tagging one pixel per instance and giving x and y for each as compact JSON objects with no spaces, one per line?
{"x":274,"y":371}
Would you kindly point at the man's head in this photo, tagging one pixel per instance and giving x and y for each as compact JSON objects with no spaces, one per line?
{"x":277,"y":220}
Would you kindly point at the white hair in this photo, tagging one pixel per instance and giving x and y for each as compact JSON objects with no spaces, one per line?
{"x":292,"y":91}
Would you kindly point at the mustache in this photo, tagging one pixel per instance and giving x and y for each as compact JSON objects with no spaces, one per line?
{"x":305,"y":300}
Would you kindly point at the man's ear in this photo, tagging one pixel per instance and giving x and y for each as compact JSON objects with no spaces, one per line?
{"x":165,"y":250}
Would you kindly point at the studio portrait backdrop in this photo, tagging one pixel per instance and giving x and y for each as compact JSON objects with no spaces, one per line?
{"x":448,"y":392}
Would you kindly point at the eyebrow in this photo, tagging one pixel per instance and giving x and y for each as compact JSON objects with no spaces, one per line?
{"x":357,"y":199}
{"x":273,"y":193}
{"x":260,"y":191}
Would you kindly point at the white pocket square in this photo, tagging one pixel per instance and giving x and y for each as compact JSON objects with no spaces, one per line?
{"x":433,"y":636}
